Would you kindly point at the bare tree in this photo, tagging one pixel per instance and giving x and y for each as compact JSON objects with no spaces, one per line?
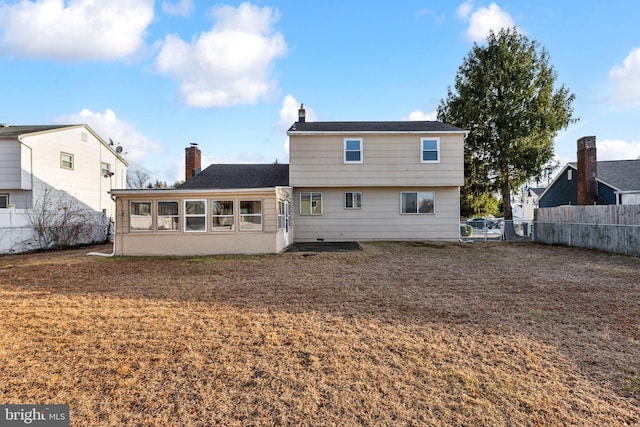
{"x":61,"y":221}
{"x":138,"y":179}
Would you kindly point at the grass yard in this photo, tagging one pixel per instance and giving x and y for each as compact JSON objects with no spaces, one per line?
{"x":401,"y":334}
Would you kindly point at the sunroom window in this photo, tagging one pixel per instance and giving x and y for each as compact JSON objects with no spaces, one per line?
{"x":222,"y":215}
{"x":251,"y":215}
{"x":140,"y":216}
{"x":195,"y":215}
{"x":167,"y":217}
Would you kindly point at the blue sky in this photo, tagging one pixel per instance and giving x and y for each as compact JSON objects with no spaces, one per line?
{"x":155,"y":76}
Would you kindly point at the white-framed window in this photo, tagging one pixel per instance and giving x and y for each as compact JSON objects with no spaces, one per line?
{"x":417,"y":202}
{"x":105,"y":169}
{"x":282,"y":215}
{"x":353,"y":150}
{"x":140,"y":216}
{"x":310,"y":203}
{"x":66,"y":160}
{"x":222,"y":215}
{"x":250,"y":215}
{"x":430,"y":150}
{"x":4,"y":201}
{"x":167,"y":218}
{"x":195,"y":215}
{"x":569,"y":174}
{"x":353,"y":200}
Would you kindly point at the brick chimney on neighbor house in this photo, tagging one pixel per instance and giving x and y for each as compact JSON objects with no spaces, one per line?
{"x":192,"y":159}
{"x":302,"y":114}
{"x":587,"y":171}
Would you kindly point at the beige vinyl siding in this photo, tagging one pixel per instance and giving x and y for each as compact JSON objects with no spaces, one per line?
{"x":379,"y":218}
{"x":387,"y":160}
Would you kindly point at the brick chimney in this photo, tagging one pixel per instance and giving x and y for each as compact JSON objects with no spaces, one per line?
{"x":192,"y":159}
{"x":587,"y":171}
{"x":302,"y":114}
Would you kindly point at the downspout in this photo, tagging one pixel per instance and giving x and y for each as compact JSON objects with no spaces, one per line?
{"x":30,"y":167}
{"x":115,"y":236}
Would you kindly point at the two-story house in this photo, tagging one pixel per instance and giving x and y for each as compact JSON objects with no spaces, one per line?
{"x":346,"y":181}
{"x":61,"y":166}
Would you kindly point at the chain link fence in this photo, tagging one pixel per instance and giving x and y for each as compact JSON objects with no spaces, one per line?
{"x":495,"y":230}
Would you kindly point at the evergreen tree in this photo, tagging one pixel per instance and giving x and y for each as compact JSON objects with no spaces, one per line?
{"x":505,"y":96}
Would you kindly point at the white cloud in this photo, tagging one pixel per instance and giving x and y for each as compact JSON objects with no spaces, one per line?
{"x":289,"y":114}
{"x":615,"y":149}
{"x":231,"y":63}
{"x":74,"y":30}
{"x":483,"y":20}
{"x":439,"y":18}
{"x":464,"y":10}
{"x":626,"y":79}
{"x":137,"y":146}
{"x":182,"y":8}
{"x":418,"y":115}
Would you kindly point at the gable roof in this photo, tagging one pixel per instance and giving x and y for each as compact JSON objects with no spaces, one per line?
{"x":15,"y":131}
{"x":373,"y":127}
{"x":621,"y":175}
{"x":537,"y":191}
{"x":225,"y":176}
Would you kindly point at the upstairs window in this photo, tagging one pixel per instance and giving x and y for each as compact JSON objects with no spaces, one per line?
{"x":430,"y":150}
{"x":140,"y":216}
{"x":195,"y":215}
{"x":105,"y":169}
{"x":4,"y":201}
{"x":222,"y":215}
{"x":353,"y":200}
{"x":66,"y":160}
{"x":168,"y":218}
{"x":310,"y":203}
{"x":417,"y":202}
{"x":353,"y":150}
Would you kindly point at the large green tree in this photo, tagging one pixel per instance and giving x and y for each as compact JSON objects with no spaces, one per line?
{"x":506,"y":97}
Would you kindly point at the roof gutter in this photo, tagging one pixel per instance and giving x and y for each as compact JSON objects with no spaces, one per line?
{"x":368,"y":132}
{"x":157,"y":192}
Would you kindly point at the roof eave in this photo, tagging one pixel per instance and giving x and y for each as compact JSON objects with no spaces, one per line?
{"x":175,"y":191}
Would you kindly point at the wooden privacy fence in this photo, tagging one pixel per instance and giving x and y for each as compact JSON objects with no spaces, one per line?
{"x":610,"y":228}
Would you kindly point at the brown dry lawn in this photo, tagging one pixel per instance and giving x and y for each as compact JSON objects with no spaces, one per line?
{"x":401,"y":334}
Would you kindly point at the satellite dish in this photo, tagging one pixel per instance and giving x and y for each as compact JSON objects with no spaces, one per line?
{"x":119,"y":149}
{"x":111,"y":142}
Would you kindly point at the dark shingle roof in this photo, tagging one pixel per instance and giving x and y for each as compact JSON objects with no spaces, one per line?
{"x":398,"y":126}
{"x":623,"y":175}
{"x":537,"y":190}
{"x":14,"y":131}
{"x":225,"y":176}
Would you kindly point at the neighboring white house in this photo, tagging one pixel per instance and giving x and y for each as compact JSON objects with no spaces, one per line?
{"x":66,"y":166}
{"x":530,"y":202}
{"x":346,"y":181}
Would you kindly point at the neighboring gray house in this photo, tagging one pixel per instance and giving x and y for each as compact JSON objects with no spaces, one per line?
{"x":346,"y":181}
{"x":618,"y":183}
